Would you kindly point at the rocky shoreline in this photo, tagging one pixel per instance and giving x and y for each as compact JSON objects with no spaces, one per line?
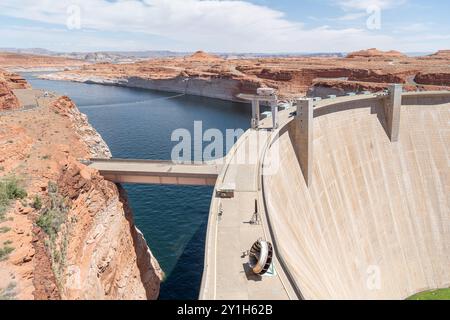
{"x":40,"y":69}
{"x":216,"y":88}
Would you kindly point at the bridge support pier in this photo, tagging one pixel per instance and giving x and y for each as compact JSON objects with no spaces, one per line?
{"x":392,"y":110}
{"x":303,"y":137}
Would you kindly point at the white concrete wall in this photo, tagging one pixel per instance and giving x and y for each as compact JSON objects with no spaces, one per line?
{"x":373,"y":206}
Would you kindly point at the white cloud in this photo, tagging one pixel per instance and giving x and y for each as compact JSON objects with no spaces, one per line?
{"x":352,"y":16}
{"x":364,"y":4}
{"x":414,"y":27}
{"x":211,"y":25}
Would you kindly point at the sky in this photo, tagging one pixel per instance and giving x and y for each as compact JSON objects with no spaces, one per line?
{"x":263,"y":26}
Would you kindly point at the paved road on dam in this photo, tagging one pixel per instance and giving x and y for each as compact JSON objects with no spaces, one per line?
{"x":230,"y":233}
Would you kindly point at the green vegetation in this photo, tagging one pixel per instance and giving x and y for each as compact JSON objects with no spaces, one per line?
{"x":9,"y":190}
{"x":53,"y":222}
{"x":9,"y":292}
{"x":441,"y":294}
{"x":5,"y":251}
{"x":52,"y":187}
{"x":5,"y":229}
{"x":46,"y":157}
{"x":53,"y":217}
{"x":37,"y":203}
{"x":7,"y":242}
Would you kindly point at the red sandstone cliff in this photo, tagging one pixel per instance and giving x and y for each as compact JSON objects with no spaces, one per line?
{"x":375,"y":53}
{"x":9,"y":82}
{"x":81,"y":241}
{"x":441,"y":54}
{"x":7,"y":99}
{"x":202,"y":56}
{"x":433,"y":78}
{"x":22,"y":61}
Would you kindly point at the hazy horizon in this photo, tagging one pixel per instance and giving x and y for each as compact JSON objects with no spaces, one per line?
{"x":7,"y":49}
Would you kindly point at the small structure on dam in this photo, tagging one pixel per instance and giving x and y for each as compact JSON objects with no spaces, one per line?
{"x":302,"y":132}
{"x":267,"y":95}
{"x":260,"y":257}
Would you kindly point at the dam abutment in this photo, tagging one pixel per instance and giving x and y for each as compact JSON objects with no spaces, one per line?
{"x":303,"y":136}
{"x":392,"y":110}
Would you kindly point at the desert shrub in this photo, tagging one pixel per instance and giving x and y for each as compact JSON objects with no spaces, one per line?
{"x":5,"y":251}
{"x":8,"y":293}
{"x":51,"y":221}
{"x":55,"y":215}
{"x":10,"y":189}
{"x":4,"y":229}
{"x":52,"y":187}
{"x":37,"y":202}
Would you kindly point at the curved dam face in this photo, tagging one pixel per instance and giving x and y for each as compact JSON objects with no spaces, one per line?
{"x":375,"y":220}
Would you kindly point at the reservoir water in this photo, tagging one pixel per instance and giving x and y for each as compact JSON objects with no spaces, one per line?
{"x":138,"y":124}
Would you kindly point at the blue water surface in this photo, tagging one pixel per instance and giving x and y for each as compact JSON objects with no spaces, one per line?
{"x":138,"y":124}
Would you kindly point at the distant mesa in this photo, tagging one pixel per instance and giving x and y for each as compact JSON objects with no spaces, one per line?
{"x":375,"y":53}
{"x":202,"y":56}
{"x":443,"y":54}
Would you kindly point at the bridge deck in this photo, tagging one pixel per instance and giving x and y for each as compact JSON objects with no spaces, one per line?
{"x":156,"y":172}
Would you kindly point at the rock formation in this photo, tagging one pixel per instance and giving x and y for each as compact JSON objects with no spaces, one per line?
{"x":78,"y":241}
{"x":441,"y":54}
{"x":202,"y":56}
{"x":207,"y":75}
{"x":7,"y":98}
{"x":9,"y":82}
{"x":32,"y":62}
{"x":433,"y":78}
{"x":375,"y":53}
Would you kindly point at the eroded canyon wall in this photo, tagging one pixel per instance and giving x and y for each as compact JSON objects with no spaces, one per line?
{"x":79,"y":241}
{"x":9,"y":82}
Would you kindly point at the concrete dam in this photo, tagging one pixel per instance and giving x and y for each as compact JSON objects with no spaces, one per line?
{"x":374,"y":222}
{"x":358,"y":207}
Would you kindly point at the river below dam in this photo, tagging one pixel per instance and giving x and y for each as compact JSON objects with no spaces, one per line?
{"x":138,"y":124}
